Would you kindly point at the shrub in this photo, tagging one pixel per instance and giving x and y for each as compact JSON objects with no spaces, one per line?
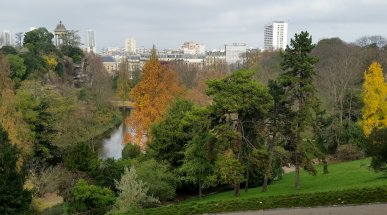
{"x":348,"y":152}
{"x":342,"y":197}
{"x":81,"y":157}
{"x":91,"y":198}
{"x":158,"y":177}
{"x":377,"y":148}
{"x":109,"y":171}
{"x":131,"y":151}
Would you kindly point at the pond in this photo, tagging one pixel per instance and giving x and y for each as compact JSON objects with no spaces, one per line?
{"x":113,"y":145}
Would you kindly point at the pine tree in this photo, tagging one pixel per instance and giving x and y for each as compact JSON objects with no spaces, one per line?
{"x":375,"y":99}
{"x":152,"y":95}
{"x":299,"y":96}
{"x":13,"y":198}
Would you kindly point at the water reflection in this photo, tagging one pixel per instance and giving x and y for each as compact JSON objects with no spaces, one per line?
{"x":112,"y":146}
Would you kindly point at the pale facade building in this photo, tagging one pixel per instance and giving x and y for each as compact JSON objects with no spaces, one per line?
{"x":235,"y":52}
{"x":193,"y":48}
{"x":130,"y":45}
{"x":90,"y":41}
{"x":276,"y":36}
{"x":5,"y":38}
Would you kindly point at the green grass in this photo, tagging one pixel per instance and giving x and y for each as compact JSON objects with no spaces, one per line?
{"x":342,"y":176}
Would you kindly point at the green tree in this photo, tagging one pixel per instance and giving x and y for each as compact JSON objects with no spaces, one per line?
{"x":239,"y":101}
{"x":39,"y":41}
{"x":90,"y":198}
{"x":131,"y":151}
{"x":197,"y":164}
{"x":81,"y":157}
{"x":14,"y":199}
{"x":375,"y":99}
{"x":168,"y":137}
{"x":299,"y":96}
{"x":132,"y":193}
{"x":377,"y":148}
{"x":18,"y":69}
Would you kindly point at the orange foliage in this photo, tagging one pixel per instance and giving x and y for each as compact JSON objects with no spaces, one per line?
{"x":157,"y":88}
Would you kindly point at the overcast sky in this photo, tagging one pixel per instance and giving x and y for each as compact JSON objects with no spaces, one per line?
{"x":169,"y":23}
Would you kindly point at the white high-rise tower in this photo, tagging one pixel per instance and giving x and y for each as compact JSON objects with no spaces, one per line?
{"x":90,"y":42}
{"x":276,"y":35}
{"x":130,"y":45}
{"x":5,"y":38}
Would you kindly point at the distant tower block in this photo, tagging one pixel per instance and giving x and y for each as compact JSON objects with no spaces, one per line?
{"x":60,"y":34}
{"x":276,"y":36}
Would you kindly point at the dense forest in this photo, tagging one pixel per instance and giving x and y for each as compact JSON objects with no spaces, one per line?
{"x":197,"y":130}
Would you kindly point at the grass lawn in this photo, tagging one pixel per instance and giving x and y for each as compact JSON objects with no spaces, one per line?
{"x":346,"y":175}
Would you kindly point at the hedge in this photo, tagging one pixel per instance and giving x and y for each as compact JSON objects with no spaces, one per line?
{"x":342,"y":197}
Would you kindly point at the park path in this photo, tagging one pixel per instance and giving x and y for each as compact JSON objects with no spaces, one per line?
{"x":369,"y":209}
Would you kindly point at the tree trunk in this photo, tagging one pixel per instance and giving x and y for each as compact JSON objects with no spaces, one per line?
{"x":325,"y":164}
{"x":247,"y":177}
{"x":268,"y":168}
{"x":237,"y":189}
{"x":200,"y":190}
{"x":297,"y":165}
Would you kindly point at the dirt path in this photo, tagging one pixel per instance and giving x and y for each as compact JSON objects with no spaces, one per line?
{"x":370,"y":209}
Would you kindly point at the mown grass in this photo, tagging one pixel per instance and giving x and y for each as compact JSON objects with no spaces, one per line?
{"x":341,"y":176}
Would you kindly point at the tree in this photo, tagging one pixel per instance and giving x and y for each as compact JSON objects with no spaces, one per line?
{"x":39,"y":41}
{"x":377,"y":148}
{"x":197,"y":165}
{"x":132,"y":193}
{"x":11,"y":118}
{"x":152,"y":95}
{"x":240,"y":101}
{"x":123,"y":81}
{"x":18,"y":69}
{"x":81,"y":157}
{"x":130,"y":151}
{"x":14,"y":199}
{"x":374,"y":98}
{"x":169,"y":138}
{"x":299,"y":96}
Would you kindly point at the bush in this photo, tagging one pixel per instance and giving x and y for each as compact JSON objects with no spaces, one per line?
{"x":81,"y":157}
{"x":158,"y":177}
{"x":109,"y":171}
{"x":349,"y":152}
{"x":131,"y":151}
{"x":342,"y":197}
{"x":96,"y":200}
{"x":377,"y":148}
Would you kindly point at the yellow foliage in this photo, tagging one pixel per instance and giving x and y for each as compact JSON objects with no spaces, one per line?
{"x":51,"y":61}
{"x":11,"y":119}
{"x":152,"y":95}
{"x":375,"y":99}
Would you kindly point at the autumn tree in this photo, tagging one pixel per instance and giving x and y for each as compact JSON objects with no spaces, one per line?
{"x":374,"y":98}
{"x":152,"y":95}
{"x":11,"y":118}
{"x":299,"y":96}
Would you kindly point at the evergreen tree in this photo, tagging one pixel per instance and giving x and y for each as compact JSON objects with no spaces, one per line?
{"x":299,"y":96}
{"x":375,"y":99}
{"x":123,"y":82}
{"x":13,"y":198}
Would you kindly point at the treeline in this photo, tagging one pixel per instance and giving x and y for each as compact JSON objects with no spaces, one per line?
{"x":194,"y":129}
{"x":52,"y":98}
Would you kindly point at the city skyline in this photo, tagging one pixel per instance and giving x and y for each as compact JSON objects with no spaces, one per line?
{"x":167,"y":24}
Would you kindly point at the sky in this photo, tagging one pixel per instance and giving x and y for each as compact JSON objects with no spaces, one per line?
{"x":169,"y":23}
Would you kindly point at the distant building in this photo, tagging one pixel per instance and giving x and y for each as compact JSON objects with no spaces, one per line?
{"x":130,"y":45}
{"x":60,"y":33}
{"x":5,"y":38}
{"x":90,"y":41}
{"x":276,"y":36}
{"x":235,"y":52}
{"x":193,"y":48}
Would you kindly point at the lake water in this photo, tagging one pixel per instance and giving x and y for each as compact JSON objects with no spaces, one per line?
{"x":113,"y":145}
